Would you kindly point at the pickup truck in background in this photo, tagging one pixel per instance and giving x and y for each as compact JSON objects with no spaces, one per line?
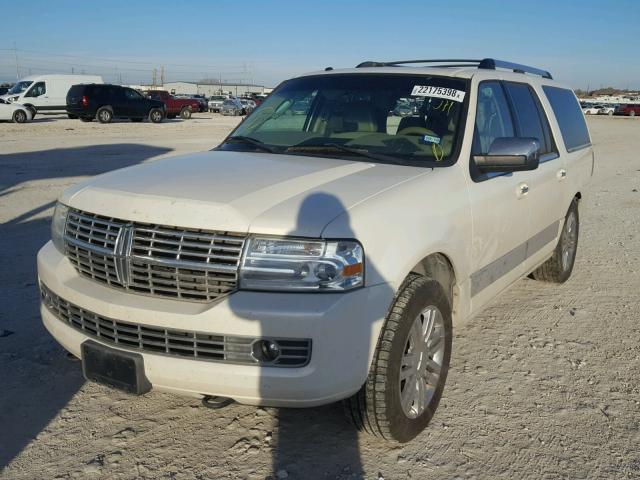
{"x":175,"y":106}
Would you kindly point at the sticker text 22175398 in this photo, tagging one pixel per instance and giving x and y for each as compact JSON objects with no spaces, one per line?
{"x":438,"y":92}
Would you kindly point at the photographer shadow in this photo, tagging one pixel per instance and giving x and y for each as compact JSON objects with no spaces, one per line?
{"x":319,"y":442}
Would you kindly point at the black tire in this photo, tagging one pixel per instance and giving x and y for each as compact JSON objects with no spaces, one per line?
{"x":185,"y":113}
{"x":156,"y":115}
{"x":559,"y":267}
{"x":104,"y":115}
{"x":136,"y":120}
{"x":72,"y":117}
{"x":376,"y":408}
{"x":19,"y":116}
{"x":86,"y":119}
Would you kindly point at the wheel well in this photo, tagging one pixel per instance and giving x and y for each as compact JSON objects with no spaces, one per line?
{"x":438,"y":267}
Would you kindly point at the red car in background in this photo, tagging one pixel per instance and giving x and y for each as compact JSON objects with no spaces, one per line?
{"x":631,"y":110}
{"x":175,"y":106}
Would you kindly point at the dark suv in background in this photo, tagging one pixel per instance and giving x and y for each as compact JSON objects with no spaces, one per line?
{"x":106,"y":102}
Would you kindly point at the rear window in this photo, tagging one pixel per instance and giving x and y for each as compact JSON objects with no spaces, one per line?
{"x":570,"y":118}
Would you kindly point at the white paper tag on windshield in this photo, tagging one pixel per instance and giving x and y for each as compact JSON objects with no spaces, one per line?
{"x":438,"y":92}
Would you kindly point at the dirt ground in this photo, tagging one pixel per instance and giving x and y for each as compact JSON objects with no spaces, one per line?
{"x":544,"y":384}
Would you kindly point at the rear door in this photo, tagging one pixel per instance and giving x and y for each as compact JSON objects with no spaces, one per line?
{"x":499,"y":208}
{"x":546,"y":183}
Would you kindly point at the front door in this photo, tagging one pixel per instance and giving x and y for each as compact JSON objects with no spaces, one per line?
{"x":499,"y":204}
{"x":37,"y":96}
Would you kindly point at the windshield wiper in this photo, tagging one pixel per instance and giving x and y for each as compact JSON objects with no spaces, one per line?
{"x":354,"y":151}
{"x":251,"y":141}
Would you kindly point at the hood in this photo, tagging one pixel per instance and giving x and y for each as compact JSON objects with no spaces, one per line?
{"x":238,"y":191}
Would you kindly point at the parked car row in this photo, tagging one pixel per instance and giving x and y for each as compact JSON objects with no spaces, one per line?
{"x":631,"y":109}
{"x":87,"y":97}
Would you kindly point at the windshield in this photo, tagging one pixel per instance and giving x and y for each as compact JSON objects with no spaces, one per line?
{"x":414,"y":118}
{"x":20,"y":87}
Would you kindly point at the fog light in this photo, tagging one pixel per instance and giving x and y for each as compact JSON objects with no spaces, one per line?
{"x":265,"y":350}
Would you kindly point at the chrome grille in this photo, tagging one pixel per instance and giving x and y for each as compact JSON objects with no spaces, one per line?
{"x":165,"y":341}
{"x":155,"y":260}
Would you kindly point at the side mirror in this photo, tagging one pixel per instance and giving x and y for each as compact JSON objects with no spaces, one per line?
{"x":510,"y":154}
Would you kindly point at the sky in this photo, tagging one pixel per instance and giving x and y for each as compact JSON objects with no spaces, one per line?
{"x":583,"y":43}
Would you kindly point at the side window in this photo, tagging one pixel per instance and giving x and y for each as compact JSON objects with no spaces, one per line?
{"x":38,"y":89}
{"x":132,"y":94}
{"x":530,"y":120}
{"x":493,"y":119}
{"x":569,"y":116}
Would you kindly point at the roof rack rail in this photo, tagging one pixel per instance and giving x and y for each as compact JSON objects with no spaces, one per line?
{"x":491,"y":64}
{"x":485,"y":63}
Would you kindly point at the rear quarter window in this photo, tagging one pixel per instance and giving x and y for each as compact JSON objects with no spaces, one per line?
{"x":569,"y":116}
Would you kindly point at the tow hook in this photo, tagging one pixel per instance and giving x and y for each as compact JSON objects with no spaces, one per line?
{"x":216,"y":403}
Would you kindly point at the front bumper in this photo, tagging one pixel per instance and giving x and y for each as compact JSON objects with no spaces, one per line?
{"x":343,"y":329}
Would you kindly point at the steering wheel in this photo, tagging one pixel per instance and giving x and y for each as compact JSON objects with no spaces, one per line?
{"x":416,"y":131}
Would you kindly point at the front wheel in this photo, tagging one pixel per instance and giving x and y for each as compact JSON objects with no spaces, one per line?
{"x":185,"y":113}
{"x":155,"y":115}
{"x":410,"y":365}
{"x":559,"y":267}
{"x":19,"y":116}
{"x":632,"y":113}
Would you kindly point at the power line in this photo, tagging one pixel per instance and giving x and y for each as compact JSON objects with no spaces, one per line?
{"x":105,"y":59}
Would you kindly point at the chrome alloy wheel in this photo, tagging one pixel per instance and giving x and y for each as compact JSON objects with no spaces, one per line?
{"x":422,"y":361}
{"x":156,"y":116}
{"x":569,"y":240}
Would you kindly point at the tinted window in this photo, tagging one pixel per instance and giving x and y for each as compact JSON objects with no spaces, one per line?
{"x":569,"y":117}
{"x":132,"y":94}
{"x":530,"y":120}
{"x":493,"y":119}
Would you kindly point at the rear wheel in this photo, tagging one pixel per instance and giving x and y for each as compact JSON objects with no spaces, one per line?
{"x":559,"y":267}
{"x":104,"y":115}
{"x":632,"y":113}
{"x":185,"y":113}
{"x":19,"y":116}
{"x":410,"y":365}
{"x":156,"y":115}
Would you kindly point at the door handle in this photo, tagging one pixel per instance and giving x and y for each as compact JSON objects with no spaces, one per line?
{"x":562,"y":174}
{"x":523,"y":189}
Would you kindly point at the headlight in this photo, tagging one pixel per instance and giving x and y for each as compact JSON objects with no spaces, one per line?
{"x":58,"y":223}
{"x":301,"y":265}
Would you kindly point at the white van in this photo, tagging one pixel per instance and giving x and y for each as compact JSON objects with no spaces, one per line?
{"x":46,"y":93}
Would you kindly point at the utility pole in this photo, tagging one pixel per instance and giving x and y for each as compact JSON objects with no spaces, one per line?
{"x":15,"y":53}
{"x":155,"y":77}
{"x":162,"y":75}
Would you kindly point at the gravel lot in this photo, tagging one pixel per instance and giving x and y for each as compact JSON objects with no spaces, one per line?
{"x":544,"y":384}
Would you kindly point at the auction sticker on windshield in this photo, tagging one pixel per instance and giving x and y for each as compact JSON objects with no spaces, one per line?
{"x":438,"y":92}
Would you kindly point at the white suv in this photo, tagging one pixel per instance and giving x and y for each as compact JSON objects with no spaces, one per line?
{"x":327,"y":247}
